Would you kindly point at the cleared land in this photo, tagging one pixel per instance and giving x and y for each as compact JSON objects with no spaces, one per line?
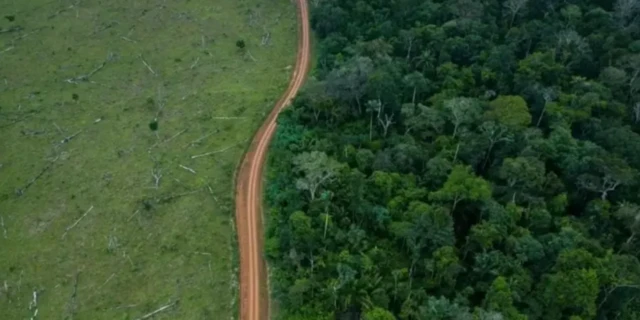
{"x":100,"y":216}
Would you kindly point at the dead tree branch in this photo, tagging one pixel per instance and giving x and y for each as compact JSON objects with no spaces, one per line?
{"x":148,"y":66}
{"x":211,"y":192}
{"x":266,"y":37}
{"x":109,"y":279}
{"x":188,"y":169}
{"x":69,"y":138}
{"x":85,"y":77}
{"x":4,"y":229}
{"x":193,"y":65}
{"x":11,"y":29}
{"x":167,"y":140}
{"x":133,"y":215}
{"x":33,"y":180}
{"x":163,"y":308}
{"x":7,"y":49}
{"x":227,"y":118}
{"x":76,"y":223}
{"x":175,"y":196}
{"x":33,"y":305}
{"x":127,"y":39}
{"x":248,"y":54}
{"x":157,"y":175}
{"x":72,"y":306}
{"x":217,"y":151}
{"x":26,"y":35}
{"x":194,"y":142}
{"x":109,"y":25}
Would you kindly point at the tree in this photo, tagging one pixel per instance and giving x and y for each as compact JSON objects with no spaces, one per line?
{"x":442,"y":309}
{"x":348,"y":83}
{"x":378,"y":314}
{"x":462,"y":111}
{"x":408,"y":37}
{"x":575,"y":289}
{"x":613,"y":77}
{"x":240,"y":44}
{"x":467,"y":9}
{"x":462,"y":185}
{"x":444,"y":268}
{"x":317,"y":169}
{"x":570,"y":44}
{"x":417,"y":82}
{"x":630,"y":64}
{"x":499,"y":299}
{"x":385,"y":121}
{"x":510,"y":111}
{"x":494,"y":133}
{"x":502,"y":183}
{"x":422,"y":120}
{"x":629,"y":214}
{"x":514,"y":8}
{"x":522,"y":174}
{"x":425,"y":60}
{"x":301,"y":228}
{"x":626,"y":11}
{"x":373,"y":106}
{"x":612,"y":172}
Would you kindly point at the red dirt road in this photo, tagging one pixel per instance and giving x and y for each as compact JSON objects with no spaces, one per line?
{"x":254,"y":296}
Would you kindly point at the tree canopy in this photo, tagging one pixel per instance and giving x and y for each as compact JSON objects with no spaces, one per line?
{"x":463,"y":159}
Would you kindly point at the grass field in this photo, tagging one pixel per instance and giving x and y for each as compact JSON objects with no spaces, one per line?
{"x":100,"y":216}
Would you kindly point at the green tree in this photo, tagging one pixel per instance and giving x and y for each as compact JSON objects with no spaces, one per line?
{"x":349,"y":82}
{"x":522,"y":174}
{"x":444,"y":268}
{"x":378,"y":314}
{"x":510,"y":111}
{"x":575,"y":290}
{"x":499,"y":299}
{"x":416,"y":81}
{"x":462,"y":185}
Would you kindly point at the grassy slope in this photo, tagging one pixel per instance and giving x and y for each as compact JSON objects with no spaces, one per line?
{"x":139,"y":248}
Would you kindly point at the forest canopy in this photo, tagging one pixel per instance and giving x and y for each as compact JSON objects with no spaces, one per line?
{"x":462,"y":159}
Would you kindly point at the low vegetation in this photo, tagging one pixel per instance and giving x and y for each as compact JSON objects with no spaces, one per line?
{"x":121,"y":125}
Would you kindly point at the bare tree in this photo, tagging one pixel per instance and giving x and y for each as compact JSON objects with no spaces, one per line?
{"x":611,"y":172}
{"x":626,"y":11}
{"x":467,"y":9}
{"x":385,"y":122}
{"x":372,"y":105}
{"x":495,"y":133}
{"x":408,"y":37}
{"x":631,"y":65}
{"x":548,"y":95}
{"x":156,"y":173}
{"x":349,"y":83}
{"x":462,"y":111}
{"x":317,"y":169}
{"x":570,"y":43}
{"x":636,"y":112}
{"x":514,"y":8}
{"x":629,"y":213}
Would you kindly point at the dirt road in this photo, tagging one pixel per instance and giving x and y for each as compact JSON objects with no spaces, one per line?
{"x":254,"y":303}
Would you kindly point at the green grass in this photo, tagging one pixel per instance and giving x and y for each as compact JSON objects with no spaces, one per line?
{"x":140,"y":247}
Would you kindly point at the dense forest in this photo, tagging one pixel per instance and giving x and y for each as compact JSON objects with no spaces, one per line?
{"x":461,"y":159}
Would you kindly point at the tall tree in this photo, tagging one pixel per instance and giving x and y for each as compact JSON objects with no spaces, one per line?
{"x":317,"y":169}
{"x":462,"y":185}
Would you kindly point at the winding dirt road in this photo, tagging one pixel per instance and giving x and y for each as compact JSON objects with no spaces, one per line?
{"x":254,"y":295}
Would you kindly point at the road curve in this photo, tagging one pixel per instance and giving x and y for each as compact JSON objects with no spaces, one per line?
{"x":254,"y":296}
